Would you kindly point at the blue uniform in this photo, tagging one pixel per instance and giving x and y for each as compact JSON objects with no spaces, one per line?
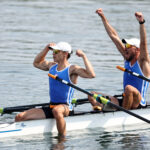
{"x":59,"y":92}
{"x":138,"y":83}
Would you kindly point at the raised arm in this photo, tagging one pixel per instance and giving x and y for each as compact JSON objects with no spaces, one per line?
{"x":111,"y":32}
{"x":144,"y":55}
{"x":87,"y":72}
{"x":40,"y":62}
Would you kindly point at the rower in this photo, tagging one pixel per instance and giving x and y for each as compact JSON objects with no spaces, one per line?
{"x":60,"y":94}
{"x":136,"y":56}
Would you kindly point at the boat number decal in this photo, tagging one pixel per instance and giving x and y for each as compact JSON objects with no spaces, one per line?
{"x":23,"y":125}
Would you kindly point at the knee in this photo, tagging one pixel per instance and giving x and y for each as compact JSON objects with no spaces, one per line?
{"x":128,"y":89}
{"x":57,"y":113}
{"x":19,"y":117}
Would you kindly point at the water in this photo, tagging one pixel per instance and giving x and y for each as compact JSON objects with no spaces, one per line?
{"x":27,"y":26}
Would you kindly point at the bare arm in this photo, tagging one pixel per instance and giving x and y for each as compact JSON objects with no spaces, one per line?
{"x":144,"y":56}
{"x":87,"y":72}
{"x":111,"y":32}
{"x":40,"y":62}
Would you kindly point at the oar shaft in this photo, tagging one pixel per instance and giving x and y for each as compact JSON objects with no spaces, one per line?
{"x":21,"y":108}
{"x":129,"y":112}
{"x":133,"y":73}
{"x":99,"y":99}
{"x":69,"y":84}
{"x":26,"y":107}
{"x":8,"y":111}
{"x":80,"y":101}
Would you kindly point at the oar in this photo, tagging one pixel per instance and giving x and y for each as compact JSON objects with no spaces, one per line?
{"x":20,"y":108}
{"x":80,"y":101}
{"x":133,"y":73}
{"x":100,"y":99}
{"x":26,"y":107}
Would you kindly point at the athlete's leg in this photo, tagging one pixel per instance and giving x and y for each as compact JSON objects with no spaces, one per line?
{"x":59,"y":112}
{"x":132,"y":97}
{"x":31,"y":114}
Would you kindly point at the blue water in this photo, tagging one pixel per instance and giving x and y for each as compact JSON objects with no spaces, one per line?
{"x":27,"y":26}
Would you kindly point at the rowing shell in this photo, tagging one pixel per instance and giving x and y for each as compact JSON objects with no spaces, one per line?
{"x":79,"y":121}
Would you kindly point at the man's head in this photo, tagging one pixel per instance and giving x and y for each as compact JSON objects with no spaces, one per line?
{"x":132,"y":48}
{"x":62,"y":46}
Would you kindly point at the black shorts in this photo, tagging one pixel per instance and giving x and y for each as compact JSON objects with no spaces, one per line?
{"x":48,"y":112}
{"x":120,"y":100}
{"x":140,"y":106}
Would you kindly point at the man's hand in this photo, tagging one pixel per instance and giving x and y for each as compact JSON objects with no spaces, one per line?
{"x":80,"y":53}
{"x":139,"y":16}
{"x":51,"y":44}
{"x":100,"y":11}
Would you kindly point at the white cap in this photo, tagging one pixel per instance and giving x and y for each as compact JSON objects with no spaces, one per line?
{"x":63,"y":46}
{"x":133,"y":41}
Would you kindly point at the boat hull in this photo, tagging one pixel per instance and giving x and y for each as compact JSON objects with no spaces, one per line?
{"x":105,"y":121}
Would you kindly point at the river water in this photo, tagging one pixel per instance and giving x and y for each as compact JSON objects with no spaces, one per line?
{"x":27,"y":26}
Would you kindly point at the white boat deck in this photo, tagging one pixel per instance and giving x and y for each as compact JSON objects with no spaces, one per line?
{"x":105,"y":121}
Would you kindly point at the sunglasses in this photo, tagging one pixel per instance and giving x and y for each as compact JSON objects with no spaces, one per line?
{"x":56,"y":51}
{"x":128,"y":45}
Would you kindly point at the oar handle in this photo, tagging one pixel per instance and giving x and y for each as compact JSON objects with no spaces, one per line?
{"x":52,"y":76}
{"x":120,"y":68}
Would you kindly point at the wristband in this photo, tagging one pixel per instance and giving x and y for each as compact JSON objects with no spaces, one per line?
{"x":142,"y":22}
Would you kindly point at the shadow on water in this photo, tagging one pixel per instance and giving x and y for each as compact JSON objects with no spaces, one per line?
{"x":134,"y":140}
{"x":84,"y":139}
{"x":39,"y":141}
{"x":58,"y":144}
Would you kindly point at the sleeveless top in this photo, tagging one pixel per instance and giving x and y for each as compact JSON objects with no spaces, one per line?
{"x":136,"y":82}
{"x":60,"y":93}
